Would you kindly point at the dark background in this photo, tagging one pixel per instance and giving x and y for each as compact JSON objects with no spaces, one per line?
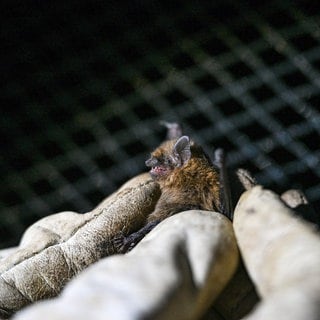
{"x":83,"y":85}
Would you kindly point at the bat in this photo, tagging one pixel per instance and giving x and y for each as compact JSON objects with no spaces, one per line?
{"x":188,"y":179}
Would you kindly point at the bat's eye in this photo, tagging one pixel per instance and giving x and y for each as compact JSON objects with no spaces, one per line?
{"x":170,"y":162}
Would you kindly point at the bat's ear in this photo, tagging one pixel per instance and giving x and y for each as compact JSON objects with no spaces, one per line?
{"x":181,"y":150}
{"x":174,"y":130}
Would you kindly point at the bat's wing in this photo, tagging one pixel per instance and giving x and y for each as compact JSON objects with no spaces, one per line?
{"x":226,"y":206}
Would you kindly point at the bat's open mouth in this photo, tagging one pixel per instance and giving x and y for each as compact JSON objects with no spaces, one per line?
{"x":159,"y":170}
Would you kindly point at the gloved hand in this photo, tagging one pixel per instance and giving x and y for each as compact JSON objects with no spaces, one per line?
{"x":58,"y":247}
{"x":282,"y":254}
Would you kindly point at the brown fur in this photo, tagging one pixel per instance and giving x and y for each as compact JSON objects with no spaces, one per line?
{"x":194,"y":185}
{"x":187,"y":179}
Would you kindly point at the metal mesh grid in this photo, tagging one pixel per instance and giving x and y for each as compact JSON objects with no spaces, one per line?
{"x":85,"y":83}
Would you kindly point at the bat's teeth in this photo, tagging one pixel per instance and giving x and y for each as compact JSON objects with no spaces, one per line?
{"x":157,"y":169}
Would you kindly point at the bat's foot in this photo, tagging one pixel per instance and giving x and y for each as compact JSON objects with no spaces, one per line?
{"x":124,"y":243}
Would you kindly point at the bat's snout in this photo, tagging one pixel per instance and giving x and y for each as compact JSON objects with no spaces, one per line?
{"x":152,"y":162}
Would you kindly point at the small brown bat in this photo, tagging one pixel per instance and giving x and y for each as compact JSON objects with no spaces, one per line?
{"x":188,"y":179}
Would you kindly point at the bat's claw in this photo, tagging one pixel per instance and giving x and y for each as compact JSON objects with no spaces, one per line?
{"x":123,"y":244}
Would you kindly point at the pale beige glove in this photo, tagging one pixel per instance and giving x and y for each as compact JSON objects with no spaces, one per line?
{"x":175,"y":272}
{"x":282,"y":255}
{"x":58,"y":247}
{"x":178,"y":270}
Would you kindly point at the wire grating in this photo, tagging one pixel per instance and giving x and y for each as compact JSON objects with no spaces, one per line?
{"x":84,"y":85}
